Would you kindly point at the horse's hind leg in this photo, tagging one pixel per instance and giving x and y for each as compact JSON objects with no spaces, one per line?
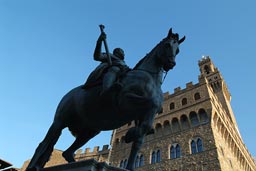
{"x":81,"y":139}
{"x":45,"y":148}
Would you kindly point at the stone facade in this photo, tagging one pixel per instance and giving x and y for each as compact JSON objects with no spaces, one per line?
{"x":196,"y":131}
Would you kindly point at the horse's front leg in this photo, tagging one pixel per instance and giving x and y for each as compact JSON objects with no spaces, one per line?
{"x":137,"y":135}
{"x":134,"y":152}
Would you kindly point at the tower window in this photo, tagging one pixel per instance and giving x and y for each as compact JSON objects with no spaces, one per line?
{"x":206,"y":69}
{"x":196,"y":145}
{"x":137,"y":161}
{"x":172,"y":106}
{"x":175,"y":151}
{"x":197,"y":96}
{"x":184,"y":101}
{"x":141,"y":160}
{"x":158,"y":156}
{"x":153,"y":157}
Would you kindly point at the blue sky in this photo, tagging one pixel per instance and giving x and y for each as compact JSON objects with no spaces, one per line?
{"x":46,"y":49}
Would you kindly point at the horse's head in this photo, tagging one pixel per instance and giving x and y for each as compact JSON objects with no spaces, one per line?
{"x":168,"y":49}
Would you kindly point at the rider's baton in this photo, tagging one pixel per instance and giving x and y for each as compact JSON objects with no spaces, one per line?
{"x":106,"y":45}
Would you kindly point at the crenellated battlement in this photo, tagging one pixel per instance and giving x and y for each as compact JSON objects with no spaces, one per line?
{"x":179,"y":90}
{"x":96,"y":151}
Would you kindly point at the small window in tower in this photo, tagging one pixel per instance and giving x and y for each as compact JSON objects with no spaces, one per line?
{"x":153,"y":157}
{"x":141,"y":160}
{"x":121,"y":164}
{"x":158,"y":156}
{"x":206,"y":69}
{"x":137,"y":161}
{"x":197,"y":96}
{"x":193,"y":147}
{"x":172,"y":106}
{"x":184,"y":101}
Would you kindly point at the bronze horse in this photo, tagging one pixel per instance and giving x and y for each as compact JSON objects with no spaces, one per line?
{"x":86,"y":113}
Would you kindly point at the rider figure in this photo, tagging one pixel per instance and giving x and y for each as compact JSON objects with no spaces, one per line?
{"x":112,"y":72}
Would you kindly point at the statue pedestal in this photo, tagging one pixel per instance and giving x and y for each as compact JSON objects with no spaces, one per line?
{"x":86,"y":165}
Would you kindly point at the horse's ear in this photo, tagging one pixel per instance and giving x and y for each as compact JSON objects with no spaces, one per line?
{"x":182,"y":39}
{"x":170,"y":33}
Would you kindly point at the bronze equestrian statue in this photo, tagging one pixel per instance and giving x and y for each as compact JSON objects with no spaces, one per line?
{"x":86,"y":112}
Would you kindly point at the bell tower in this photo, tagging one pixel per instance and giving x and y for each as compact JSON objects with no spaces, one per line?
{"x":218,"y":85}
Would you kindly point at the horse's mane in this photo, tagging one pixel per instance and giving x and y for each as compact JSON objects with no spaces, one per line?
{"x":147,"y":55}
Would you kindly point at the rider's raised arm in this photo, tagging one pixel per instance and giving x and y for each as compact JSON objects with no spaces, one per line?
{"x":98,"y":56}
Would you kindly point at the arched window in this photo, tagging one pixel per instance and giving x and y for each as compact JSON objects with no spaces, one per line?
{"x":197,"y":96}
{"x":137,"y":161}
{"x":196,"y":145}
{"x":193,"y":119}
{"x":158,"y":156}
{"x":184,"y":101}
{"x":175,"y":151}
{"x":158,"y":127}
{"x":125,"y":163}
{"x":203,"y":116}
{"x":178,"y":151}
{"x":122,"y":164}
{"x":173,"y":155}
{"x":172,"y":106}
{"x":193,"y":147}
{"x":175,"y":125}
{"x":199,"y":145}
{"x":141,"y":160}
{"x":166,"y":124}
{"x":184,"y":122}
{"x":153,"y":157}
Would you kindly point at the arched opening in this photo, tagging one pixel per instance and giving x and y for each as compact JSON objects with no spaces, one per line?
{"x":137,"y":161}
{"x":153,"y":157}
{"x":184,"y":101}
{"x":158,"y":127}
{"x":203,"y":116}
{"x":166,"y":124}
{"x":158,"y":156}
{"x":197,"y":96}
{"x":141,"y":160}
{"x":184,"y":122}
{"x":193,"y":118}
{"x":175,"y":125}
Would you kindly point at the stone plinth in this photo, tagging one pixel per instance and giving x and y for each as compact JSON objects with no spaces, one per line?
{"x":86,"y":165}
